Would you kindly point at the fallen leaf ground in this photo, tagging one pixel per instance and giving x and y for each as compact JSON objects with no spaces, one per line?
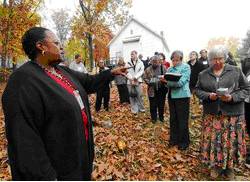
{"x":145,"y":155}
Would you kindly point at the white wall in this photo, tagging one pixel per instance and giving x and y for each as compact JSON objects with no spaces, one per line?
{"x":148,"y":44}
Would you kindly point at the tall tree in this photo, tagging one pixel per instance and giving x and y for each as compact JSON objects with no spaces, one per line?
{"x":16,"y":17}
{"x":62,"y":23}
{"x":75,"y":46}
{"x":97,"y":18}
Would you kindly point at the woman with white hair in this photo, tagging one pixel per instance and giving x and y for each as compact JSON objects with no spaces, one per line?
{"x":223,"y":89}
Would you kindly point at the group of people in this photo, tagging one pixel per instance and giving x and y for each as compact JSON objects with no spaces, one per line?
{"x":222,"y":89}
{"x":47,"y":112}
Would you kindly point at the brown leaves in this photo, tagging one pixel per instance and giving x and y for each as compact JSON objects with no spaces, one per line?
{"x":146,"y":157}
{"x":4,"y":168}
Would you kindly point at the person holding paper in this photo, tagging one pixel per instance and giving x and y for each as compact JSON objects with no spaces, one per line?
{"x":157,"y":90}
{"x":179,"y":99}
{"x":223,"y":89}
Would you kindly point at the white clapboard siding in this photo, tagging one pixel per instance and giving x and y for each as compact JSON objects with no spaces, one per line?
{"x":137,"y":36}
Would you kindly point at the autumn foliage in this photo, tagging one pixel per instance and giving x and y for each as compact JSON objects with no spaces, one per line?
{"x":129,"y":147}
{"x":15,"y":18}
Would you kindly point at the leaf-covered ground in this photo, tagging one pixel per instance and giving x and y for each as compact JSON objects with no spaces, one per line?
{"x":130,"y":147}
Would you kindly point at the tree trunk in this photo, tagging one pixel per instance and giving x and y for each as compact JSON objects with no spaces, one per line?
{"x":90,"y":44}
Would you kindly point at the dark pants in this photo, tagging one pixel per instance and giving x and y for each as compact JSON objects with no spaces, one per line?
{"x":157,"y":103}
{"x":179,"y":115}
{"x":102,"y":95}
{"x":123,"y":93}
{"x":247,"y":117}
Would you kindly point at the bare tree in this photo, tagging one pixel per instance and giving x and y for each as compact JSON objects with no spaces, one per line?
{"x":62,"y":23}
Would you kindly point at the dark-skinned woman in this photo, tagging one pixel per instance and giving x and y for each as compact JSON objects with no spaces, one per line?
{"x":47,"y":113}
{"x":223,"y":89}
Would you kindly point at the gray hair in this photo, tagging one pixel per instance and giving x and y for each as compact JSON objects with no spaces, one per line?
{"x":218,"y":52}
{"x":177,"y":52}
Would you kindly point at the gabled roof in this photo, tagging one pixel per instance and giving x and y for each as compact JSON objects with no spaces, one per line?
{"x":143,"y":25}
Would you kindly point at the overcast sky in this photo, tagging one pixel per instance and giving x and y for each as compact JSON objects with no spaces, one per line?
{"x":187,"y":24}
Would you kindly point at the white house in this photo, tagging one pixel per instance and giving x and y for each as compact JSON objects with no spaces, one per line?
{"x":134,"y":35}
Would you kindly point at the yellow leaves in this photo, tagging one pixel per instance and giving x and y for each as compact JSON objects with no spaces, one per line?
{"x":15,"y":19}
{"x":232,"y":43}
{"x":101,"y":5}
{"x":121,"y":145}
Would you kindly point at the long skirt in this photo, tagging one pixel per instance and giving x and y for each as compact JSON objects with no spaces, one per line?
{"x":223,"y":141}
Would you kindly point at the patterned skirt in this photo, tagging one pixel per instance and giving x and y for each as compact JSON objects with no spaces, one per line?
{"x":223,"y":141}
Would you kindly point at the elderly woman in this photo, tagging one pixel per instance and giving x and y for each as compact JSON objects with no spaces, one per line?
{"x":121,"y":83}
{"x":157,"y":90}
{"x":223,"y":89}
{"x":178,"y":99}
{"x":47,"y":113}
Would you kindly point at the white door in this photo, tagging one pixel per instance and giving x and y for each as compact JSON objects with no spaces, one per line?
{"x":128,"y":47}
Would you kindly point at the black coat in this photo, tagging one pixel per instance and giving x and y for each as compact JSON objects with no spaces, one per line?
{"x":204,"y":62}
{"x":195,"y":70}
{"x":44,"y":127}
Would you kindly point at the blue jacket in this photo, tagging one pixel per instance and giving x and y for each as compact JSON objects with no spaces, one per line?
{"x":180,"y":89}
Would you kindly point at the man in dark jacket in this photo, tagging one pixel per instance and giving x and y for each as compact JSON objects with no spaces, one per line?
{"x":230,"y":59}
{"x":104,"y":92}
{"x":196,"y":68}
{"x":203,"y":59}
{"x":245,"y":65}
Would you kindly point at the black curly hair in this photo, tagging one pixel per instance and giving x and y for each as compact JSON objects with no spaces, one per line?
{"x":30,"y":38}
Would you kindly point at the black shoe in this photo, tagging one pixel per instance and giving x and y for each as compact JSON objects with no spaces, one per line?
{"x":182,"y":147}
{"x":153,"y":121}
{"x":172,"y":144}
{"x":248,"y":159}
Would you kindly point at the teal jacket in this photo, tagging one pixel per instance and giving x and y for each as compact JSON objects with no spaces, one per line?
{"x":180,"y":89}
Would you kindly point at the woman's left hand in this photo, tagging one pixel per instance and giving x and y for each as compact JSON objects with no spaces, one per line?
{"x":163,"y":80}
{"x":226,"y":98}
{"x":119,"y":70}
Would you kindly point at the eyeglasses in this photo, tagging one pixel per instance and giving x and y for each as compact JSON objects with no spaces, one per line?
{"x":54,"y":42}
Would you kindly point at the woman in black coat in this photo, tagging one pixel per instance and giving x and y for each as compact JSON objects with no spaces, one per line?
{"x":47,"y":114}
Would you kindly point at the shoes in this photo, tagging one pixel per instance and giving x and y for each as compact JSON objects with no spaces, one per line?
{"x":153,"y":121}
{"x":171,"y":144}
{"x":229,"y":173}
{"x":215,"y":173}
{"x":182,"y":148}
{"x":248,"y":159}
{"x":142,"y":110}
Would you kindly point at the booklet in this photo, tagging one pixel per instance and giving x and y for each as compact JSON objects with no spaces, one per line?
{"x":172,"y":77}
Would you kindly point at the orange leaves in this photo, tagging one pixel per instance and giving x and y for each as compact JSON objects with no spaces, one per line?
{"x":15,"y":19}
{"x":4,"y":168}
{"x":146,"y":157}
